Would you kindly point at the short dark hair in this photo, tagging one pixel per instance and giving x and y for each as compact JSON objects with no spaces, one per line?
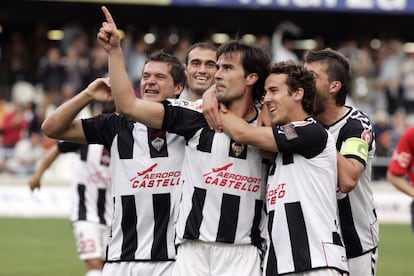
{"x":176,"y":67}
{"x":254,"y":60}
{"x":298,"y":77}
{"x":338,"y":69}
{"x":202,"y":45}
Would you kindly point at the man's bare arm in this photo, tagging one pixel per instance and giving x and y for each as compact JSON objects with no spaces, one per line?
{"x":244,"y":133}
{"x":148,"y":113}
{"x":349,"y":172}
{"x":61,"y":124}
{"x":401,"y":184}
{"x":52,"y":154}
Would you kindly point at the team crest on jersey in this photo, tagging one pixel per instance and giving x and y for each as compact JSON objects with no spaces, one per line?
{"x":366,"y":135}
{"x":237,"y":149}
{"x":290,"y":132}
{"x":158,"y":143}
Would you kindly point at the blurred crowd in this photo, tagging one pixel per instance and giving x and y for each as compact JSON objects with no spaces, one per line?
{"x":37,"y":74}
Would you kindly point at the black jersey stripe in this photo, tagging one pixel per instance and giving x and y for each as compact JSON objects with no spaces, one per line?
{"x":229,"y":216}
{"x":255,"y":235}
{"x":193,"y":223}
{"x":271,"y":265}
{"x":298,"y":237}
{"x":83,"y":151}
{"x":101,"y":205}
{"x":350,"y":235}
{"x":129,"y":228}
{"x":162,"y":207}
{"x":206,"y":140}
{"x":125,"y":144}
{"x":82,"y":204}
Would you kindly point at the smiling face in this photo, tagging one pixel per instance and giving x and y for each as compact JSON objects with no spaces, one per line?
{"x":281,"y":104}
{"x":157,"y":83}
{"x":200,"y":70}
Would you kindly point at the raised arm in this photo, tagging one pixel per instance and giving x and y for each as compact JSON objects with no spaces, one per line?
{"x":244,"y":133}
{"x":61,"y":124}
{"x":148,"y":113}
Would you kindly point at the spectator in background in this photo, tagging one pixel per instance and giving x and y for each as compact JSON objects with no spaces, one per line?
{"x":283,"y":42}
{"x":3,"y":110}
{"x":26,"y":154}
{"x":15,"y":125}
{"x":389,"y":79}
{"x":51,"y":74}
{"x":407,"y":83}
{"x":362,"y":74}
{"x":400,"y":121}
{"x":135,"y":50}
{"x":387,"y":129}
{"x":263,"y":42}
{"x":98,"y":65}
{"x":76,"y":67}
{"x":181,"y":48}
{"x":382,"y":128}
{"x":18,"y":59}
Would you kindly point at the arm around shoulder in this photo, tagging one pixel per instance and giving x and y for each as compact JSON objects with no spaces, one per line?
{"x":244,"y":133}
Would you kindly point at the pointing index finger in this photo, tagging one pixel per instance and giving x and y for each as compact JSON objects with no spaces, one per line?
{"x":108,"y":15}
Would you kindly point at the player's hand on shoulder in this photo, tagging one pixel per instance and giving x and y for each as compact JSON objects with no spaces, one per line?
{"x":211,"y":109}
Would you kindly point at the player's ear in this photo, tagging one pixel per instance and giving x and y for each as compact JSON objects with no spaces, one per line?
{"x":335,"y":85}
{"x":178,"y":89}
{"x":251,"y":78}
{"x":299,"y":93}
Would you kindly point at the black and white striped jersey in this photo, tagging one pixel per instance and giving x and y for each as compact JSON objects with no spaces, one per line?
{"x":146,"y":170}
{"x":301,"y":201}
{"x":357,"y":212}
{"x":91,"y":183}
{"x":223,"y":182}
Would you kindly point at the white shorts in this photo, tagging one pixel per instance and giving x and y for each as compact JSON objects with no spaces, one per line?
{"x":138,"y":268}
{"x":210,"y":259}
{"x":364,"y":265}
{"x":91,"y":239}
{"x":320,"y":272}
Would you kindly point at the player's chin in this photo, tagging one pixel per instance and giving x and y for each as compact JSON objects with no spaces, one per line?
{"x":151,"y":97}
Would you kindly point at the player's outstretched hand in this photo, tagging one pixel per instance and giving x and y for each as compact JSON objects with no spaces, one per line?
{"x":108,"y":35}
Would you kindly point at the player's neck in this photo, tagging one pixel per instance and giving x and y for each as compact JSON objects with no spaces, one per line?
{"x":193,"y":96}
{"x":332,"y":114}
{"x":244,"y":109}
